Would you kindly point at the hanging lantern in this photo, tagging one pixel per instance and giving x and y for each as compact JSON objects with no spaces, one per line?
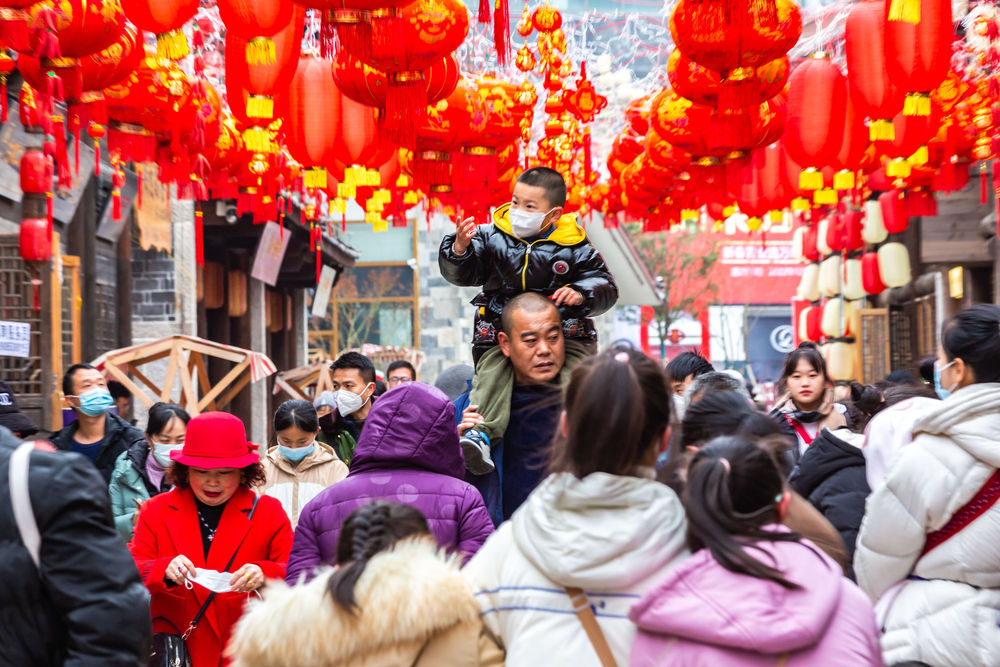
{"x":367,"y":85}
{"x":166,"y":19}
{"x":830,"y":270}
{"x":814,"y":324}
{"x":840,"y":361}
{"x":853,"y":147}
{"x":874,"y":230}
{"x":313,"y":102}
{"x":35,"y":171}
{"x":872,"y":88}
{"x":871,"y":275}
{"x":81,"y":27}
{"x":260,"y":81}
{"x":35,"y":240}
{"x":853,"y":228}
{"x":833,"y":323}
{"x":802,"y":326}
{"x":810,"y":243}
{"x":835,"y":232}
{"x":823,"y":236}
{"x":918,"y":54}
{"x":894,"y":264}
{"x":701,"y":84}
{"x":817,"y":106}
{"x":255,"y":22}
{"x":854,"y":287}
{"x":894,"y":212}
{"x":809,"y":283}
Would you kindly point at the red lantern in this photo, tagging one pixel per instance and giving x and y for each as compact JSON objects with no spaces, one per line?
{"x":853,"y":226}
{"x":814,"y":323}
{"x":367,"y":85}
{"x":872,"y":88}
{"x":757,"y":186}
{"x":853,"y":148}
{"x":81,"y":27}
{"x":36,"y":171}
{"x":918,"y":55}
{"x":894,"y":211}
{"x":835,"y":232}
{"x":809,"y":246}
{"x":260,"y":82}
{"x":871,"y":277}
{"x":35,"y":240}
{"x":311,"y":128}
{"x":684,"y":123}
{"x":701,"y":84}
{"x":166,"y":20}
{"x":663,"y":153}
{"x":817,"y":106}
{"x":255,"y":21}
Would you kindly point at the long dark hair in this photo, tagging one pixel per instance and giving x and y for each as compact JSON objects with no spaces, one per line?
{"x":808,"y":351}
{"x":368,"y":530}
{"x":974,"y":337}
{"x":617,"y":406}
{"x":732,"y":490}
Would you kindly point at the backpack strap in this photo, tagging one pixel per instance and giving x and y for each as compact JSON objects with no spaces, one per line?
{"x":20,"y":500}
{"x":589,"y":622}
{"x":984,"y":499}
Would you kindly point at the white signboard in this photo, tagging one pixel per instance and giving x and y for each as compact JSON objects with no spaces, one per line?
{"x":15,"y":339}
{"x":322,"y":298}
{"x":270,"y":254}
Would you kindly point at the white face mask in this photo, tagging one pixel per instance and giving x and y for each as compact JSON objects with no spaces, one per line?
{"x":526,"y":224}
{"x":348,"y":402}
{"x":162,"y":453}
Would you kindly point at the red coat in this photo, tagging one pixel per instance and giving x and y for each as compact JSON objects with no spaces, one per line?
{"x":168,"y":526}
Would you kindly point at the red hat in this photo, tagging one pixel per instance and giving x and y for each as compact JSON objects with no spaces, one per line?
{"x":216,"y":440}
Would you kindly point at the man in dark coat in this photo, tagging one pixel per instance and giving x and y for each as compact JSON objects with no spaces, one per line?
{"x":97,"y":434}
{"x":84,"y":604}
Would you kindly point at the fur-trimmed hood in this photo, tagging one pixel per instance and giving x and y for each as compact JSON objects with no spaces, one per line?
{"x":406,"y":597}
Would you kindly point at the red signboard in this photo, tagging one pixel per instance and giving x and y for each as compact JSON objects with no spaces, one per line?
{"x":755,"y":267}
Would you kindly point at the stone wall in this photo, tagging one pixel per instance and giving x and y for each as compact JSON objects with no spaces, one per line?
{"x":153,"y":288}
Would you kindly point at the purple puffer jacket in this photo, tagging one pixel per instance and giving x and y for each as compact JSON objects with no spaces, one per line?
{"x":408,"y":453}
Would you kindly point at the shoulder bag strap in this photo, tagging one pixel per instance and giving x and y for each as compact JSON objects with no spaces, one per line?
{"x":984,"y":499}
{"x":20,"y":500}
{"x":211,"y":596}
{"x":589,"y":622}
{"x":800,"y":430}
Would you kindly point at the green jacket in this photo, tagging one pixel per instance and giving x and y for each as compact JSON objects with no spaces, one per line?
{"x":343,"y":443}
{"x":128,"y":484}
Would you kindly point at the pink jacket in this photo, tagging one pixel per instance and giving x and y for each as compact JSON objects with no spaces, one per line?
{"x":704,"y":615}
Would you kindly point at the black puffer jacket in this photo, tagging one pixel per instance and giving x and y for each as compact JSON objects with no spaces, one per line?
{"x":88,"y":607}
{"x":506,"y":266}
{"x":119,"y":435}
{"x":831,"y":474}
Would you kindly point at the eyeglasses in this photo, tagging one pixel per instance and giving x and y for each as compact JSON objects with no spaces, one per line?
{"x":400,"y":380}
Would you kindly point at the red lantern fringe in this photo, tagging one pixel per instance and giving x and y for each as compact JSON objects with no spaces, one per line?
{"x":740,"y":90}
{"x":432,"y":168}
{"x":501,"y":31}
{"x":199,"y":237}
{"x":387,"y":32}
{"x":3,"y":98}
{"x":116,"y":205}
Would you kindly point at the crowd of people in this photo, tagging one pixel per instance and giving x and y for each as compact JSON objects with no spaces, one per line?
{"x":604,"y":510}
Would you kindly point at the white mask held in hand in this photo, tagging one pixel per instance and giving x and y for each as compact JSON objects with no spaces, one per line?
{"x":526,"y":224}
{"x":348,"y":402}
{"x":213,"y":580}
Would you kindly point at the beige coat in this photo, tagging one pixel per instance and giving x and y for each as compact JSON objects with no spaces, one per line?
{"x":414,"y":609}
{"x":296,"y":484}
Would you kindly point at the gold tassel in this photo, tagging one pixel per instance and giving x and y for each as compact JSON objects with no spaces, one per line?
{"x":897,"y":168}
{"x":917,"y":104}
{"x":810,"y":179}
{"x":261,"y":51}
{"x":372,"y":178}
{"x":315,"y":178}
{"x":346,"y":190}
{"x":843,"y":180}
{"x":881,"y":129}
{"x":172,"y":45}
{"x":728,"y":211}
{"x":338,"y":205}
{"x":354,"y":176}
{"x":260,"y":106}
{"x":920,"y":157}
{"x":800,"y":204}
{"x":689,"y":214}
{"x":826,"y":196}
{"x":776,"y":217}
{"x":907,"y":11}
{"x":258,"y":140}
{"x":754,"y":223}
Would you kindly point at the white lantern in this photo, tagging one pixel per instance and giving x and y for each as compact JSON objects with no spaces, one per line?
{"x":852,"y":314}
{"x":809,"y":284}
{"x":840,"y":361}
{"x":822,"y":228}
{"x":803,"y":324}
{"x":797,"y":241}
{"x":854,"y":287}
{"x":874,"y":230}
{"x":831,"y":323}
{"x":894,"y":264}
{"x":829,"y":276}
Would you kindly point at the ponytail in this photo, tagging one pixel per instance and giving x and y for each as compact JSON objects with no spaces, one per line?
{"x":369,"y":530}
{"x":732,"y":491}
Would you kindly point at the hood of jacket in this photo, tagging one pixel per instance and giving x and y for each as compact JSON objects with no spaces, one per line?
{"x":410,"y":427}
{"x":565,"y":528}
{"x":566,"y":230}
{"x":405,"y":596}
{"x":320,"y":454}
{"x":829,"y":453}
{"x":703,"y":602}
{"x":970,"y":417}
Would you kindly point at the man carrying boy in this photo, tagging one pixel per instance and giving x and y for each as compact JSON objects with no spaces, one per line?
{"x":530,"y":247}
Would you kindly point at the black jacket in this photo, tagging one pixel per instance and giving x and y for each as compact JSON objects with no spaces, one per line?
{"x":505,"y":266}
{"x":119,"y":435}
{"x":831,"y":474}
{"x":88,"y":607}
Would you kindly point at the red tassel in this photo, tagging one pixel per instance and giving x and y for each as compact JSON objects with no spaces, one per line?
{"x":343,"y":221}
{"x":586,"y":156}
{"x":97,"y":158}
{"x":76,"y":150}
{"x":983,"y":185}
{"x":319,"y":261}
{"x":116,"y":205}
{"x":199,"y":239}
{"x":138,"y":195}
{"x":49,"y":210}
{"x":501,"y":31}
{"x":405,"y":105}
{"x":484,"y":11}
{"x":3,"y":99}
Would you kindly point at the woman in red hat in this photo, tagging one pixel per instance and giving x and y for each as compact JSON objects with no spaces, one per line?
{"x":200,"y":525}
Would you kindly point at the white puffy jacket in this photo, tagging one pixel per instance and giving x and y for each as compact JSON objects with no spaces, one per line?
{"x":947,"y":612}
{"x":614,"y":537}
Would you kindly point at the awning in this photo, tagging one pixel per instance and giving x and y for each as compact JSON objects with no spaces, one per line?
{"x":636,"y":285}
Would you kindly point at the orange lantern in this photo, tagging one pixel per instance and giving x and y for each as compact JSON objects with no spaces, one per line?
{"x":166,"y":20}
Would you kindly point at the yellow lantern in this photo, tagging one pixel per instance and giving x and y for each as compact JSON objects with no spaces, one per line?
{"x":840,"y":361}
{"x":873,"y":230}
{"x":829,"y":276}
{"x":853,"y":284}
{"x":894,"y":264}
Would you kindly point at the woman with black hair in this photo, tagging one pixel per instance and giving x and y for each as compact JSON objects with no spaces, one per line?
{"x":141,"y":470}
{"x":929,"y":546}
{"x":831,"y":472}
{"x":394,"y":600}
{"x":752,"y":593}
{"x":299,"y":467}
{"x":807,"y":403}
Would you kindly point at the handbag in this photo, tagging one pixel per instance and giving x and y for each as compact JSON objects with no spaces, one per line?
{"x":170,"y":648}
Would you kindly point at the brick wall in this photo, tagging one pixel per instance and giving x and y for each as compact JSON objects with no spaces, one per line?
{"x":153,"y":291}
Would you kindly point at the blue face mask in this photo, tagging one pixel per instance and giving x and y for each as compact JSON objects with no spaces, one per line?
{"x":941,"y":391}
{"x":95,"y":401}
{"x":296,"y":453}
